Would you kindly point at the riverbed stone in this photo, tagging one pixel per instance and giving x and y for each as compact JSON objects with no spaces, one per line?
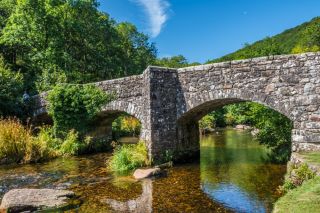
{"x":19,"y":200}
{"x":146,"y":173}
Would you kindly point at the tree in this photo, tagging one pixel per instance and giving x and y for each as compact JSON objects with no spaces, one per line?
{"x":11,"y":84}
{"x":136,"y":52}
{"x":73,"y":39}
{"x":178,"y":61}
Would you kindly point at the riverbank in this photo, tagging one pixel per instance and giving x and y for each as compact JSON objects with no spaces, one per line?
{"x":303,"y":199}
{"x":302,"y":185}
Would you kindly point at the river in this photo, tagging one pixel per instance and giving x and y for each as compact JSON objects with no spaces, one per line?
{"x":232,"y":175}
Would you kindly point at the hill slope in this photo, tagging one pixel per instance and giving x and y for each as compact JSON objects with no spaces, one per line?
{"x":303,"y":38}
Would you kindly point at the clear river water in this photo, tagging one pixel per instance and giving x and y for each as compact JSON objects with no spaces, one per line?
{"x":232,"y":175}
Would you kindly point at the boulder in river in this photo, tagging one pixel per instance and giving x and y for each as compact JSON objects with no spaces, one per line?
{"x":146,"y":173}
{"x":19,"y":200}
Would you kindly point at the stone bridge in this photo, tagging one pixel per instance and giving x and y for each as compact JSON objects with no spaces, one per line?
{"x":169,"y":102}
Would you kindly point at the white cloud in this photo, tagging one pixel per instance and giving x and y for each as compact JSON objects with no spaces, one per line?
{"x":157,"y":13}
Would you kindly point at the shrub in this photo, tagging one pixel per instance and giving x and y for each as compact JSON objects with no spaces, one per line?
{"x":46,"y":134}
{"x":287,"y":186}
{"x":74,"y":106}
{"x":18,"y":145}
{"x":302,"y":173}
{"x":14,"y":140}
{"x":129,"y":157}
{"x":39,"y":150}
{"x":297,"y":175}
{"x":71,"y":145}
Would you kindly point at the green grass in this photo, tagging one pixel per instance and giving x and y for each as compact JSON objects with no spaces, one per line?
{"x":304,"y":199}
{"x":18,"y":145}
{"x":312,"y":157}
{"x":128,"y":157}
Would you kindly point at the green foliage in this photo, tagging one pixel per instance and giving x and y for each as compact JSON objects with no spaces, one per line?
{"x":135,"y":49}
{"x":206,"y":122}
{"x":303,"y":173}
{"x":287,"y":186}
{"x":49,"y":78}
{"x":18,"y":145}
{"x":41,"y":149}
{"x":74,"y":106}
{"x":178,"y":61}
{"x":72,"y":38}
{"x":168,"y":156}
{"x":214,"y":119}
{"x":297,"y":175}
{"x":126,"y":125}
{"x":305,"y":198}
{"x":6,"y":8}
{"x":311,"y":157}
{"x":71,"y":145}
{"x":303,"y":38}
{"x":11,"y":85}
{"x":275,"y":128}
{"x":129,"y":157}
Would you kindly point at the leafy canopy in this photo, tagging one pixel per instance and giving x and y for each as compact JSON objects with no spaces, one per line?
{"x":11,"y":85}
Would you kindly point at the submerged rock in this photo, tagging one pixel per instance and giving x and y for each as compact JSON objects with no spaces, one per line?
{"x":146,"y":173}
{"x":18,"y":200}
{"x":165,"y":165}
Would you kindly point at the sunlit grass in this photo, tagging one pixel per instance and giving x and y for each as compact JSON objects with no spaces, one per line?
{"x":305,"y":198}
{"x":128,"y":157}
{"x":311,"y":157}
{"x":18,"y":145}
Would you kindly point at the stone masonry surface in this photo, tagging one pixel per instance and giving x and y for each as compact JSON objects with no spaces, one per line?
{"x":169,"y":102}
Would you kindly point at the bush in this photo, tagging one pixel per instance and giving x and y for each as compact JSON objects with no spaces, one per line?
{"x":74,"y":106}
{"x":14,"y":140}
{"x":39,"y":150}
{"x":297,"y":175}
{"x":18,"y":145}
{"x":71,"y":145}
{"x":129,"y":157}
{"x":303,"y":173}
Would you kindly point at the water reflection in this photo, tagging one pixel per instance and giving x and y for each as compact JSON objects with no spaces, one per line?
{"x":232,"y":176}
{"x":235,"y":172}
{"x":234,"y":197}
{"x":141,"y":204}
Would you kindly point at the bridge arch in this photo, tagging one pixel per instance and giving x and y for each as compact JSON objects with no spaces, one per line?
{"x":102,"y":124}
{"x":200,"y":104}
{"x":162,"y":97}
{"x":188,"y":129}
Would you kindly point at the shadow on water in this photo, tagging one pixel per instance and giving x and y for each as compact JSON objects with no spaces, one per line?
{"x":232,"y":176}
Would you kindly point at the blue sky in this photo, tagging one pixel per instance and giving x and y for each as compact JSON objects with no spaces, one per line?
{"x":206,"y":29}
